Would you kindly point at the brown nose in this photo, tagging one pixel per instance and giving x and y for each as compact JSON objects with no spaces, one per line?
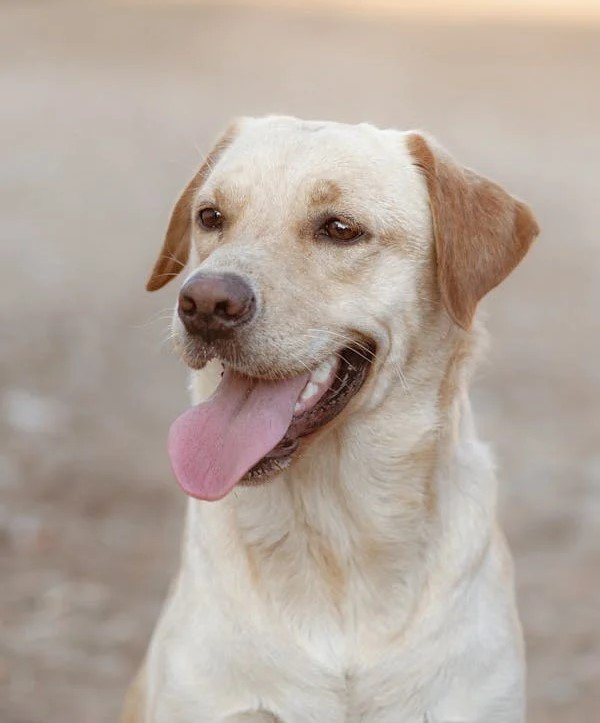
{"x":213,"y":305}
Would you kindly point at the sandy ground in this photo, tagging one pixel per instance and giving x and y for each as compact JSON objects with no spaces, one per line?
{"x":105,"y":112}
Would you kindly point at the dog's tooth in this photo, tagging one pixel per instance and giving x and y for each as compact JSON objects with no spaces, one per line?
{"x":321,"y":373}
{"x":309,"y":390}
{"x":297,"y":407}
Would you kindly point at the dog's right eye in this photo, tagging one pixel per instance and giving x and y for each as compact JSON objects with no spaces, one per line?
{"x":210,"y":218}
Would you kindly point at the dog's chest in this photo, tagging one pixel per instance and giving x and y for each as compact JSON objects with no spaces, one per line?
{"x":220,"y":657}
{"x":304,"y":667}
{"x":296,"y":627}
{"x":312,"y":638}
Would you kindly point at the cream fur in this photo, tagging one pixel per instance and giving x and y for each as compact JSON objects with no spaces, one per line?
{"x":369,"y":581}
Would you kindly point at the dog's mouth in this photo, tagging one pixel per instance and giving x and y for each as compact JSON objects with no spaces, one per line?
{"x":250,"y":428}
{"x":327,"y":392}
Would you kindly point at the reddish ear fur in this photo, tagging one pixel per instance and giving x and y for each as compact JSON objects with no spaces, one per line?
{"x":176,"y":247}
{"x":481,"y":232}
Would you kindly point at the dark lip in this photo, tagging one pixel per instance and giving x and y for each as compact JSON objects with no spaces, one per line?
{"x":356,"y":361}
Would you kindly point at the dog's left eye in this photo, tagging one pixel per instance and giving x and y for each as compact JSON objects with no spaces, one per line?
{"x":341,"y":230}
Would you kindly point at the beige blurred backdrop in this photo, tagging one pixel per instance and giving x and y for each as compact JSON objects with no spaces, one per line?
{"x":106,"y":111}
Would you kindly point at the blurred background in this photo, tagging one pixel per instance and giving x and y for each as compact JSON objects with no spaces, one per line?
{"x":107,"y":109}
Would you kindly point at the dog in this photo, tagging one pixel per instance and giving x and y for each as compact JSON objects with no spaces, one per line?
{"x":341,"y":558}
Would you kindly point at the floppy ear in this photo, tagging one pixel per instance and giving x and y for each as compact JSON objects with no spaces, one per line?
{"x":176,"y":246}
{"x":480,"y":231}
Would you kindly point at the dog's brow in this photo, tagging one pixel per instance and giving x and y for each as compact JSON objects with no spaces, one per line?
{"x":325,"y":192}
{"x":230,"y":197}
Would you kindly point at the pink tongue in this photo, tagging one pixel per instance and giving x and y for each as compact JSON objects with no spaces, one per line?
{"x":215,"y":443}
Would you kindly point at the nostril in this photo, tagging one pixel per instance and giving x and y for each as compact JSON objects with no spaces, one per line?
{"x":187,"y":305}
{"x":234,"y":308}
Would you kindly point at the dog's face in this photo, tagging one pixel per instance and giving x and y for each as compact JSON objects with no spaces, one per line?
{"x":316,"y":251}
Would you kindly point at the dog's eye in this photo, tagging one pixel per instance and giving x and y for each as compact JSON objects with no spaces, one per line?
{"x":339,"y":230}
{"x":210,"y":218}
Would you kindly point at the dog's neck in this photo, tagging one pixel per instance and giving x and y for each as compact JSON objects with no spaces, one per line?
{"x":369,"y":510}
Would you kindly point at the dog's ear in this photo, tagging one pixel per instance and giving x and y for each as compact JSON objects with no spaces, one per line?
{"x":176,"y":246}
{"x":480,"y":231}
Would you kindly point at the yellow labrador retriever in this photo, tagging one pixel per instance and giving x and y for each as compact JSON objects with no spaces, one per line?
{"x":341,"y":558}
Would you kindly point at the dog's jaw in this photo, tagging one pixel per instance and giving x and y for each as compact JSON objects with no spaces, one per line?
{"x":251,"y":428}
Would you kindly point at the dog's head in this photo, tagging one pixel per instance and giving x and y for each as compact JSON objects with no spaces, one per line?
{"x":317,"y":251}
